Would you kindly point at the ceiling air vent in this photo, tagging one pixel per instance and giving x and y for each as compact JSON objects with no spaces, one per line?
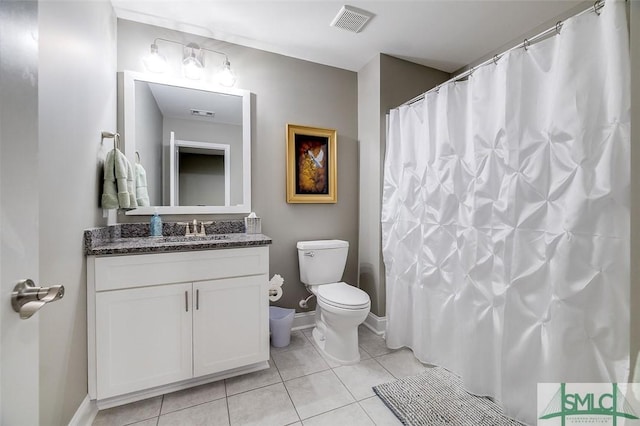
{"x":202,"y":113}
{"x":351,"y":19}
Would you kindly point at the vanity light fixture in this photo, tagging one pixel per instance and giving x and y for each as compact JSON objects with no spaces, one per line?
{"x":193,"y":63}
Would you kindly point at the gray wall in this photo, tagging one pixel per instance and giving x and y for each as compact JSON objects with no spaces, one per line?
{"x":77,"y":100}
{"x":285,"y":90}
{"x":370,"y":180}
{"x":384,"y":83}
{"x":149,"y":140}
{"x":201,"y":180}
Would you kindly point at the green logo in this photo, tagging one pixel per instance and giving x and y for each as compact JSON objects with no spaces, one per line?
{"x":565,"y":404}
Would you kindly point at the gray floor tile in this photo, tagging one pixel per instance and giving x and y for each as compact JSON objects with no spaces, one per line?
{"x":379,"y":412}
{"x":130,"y":413}
{"x":402,"y":363}
{"x":352,"y":415}
{"x":307,"y":332}
{"x":298,"y":340}
{"x":266,"y":406}
{"x":372,"y":343}
{"x":207,"y":414}
{"x":150,"y":422}
{"x":311,"y":391}
{"x":317,"y":393}
{"x":299,"y":362}
{"x":193,"y":396}
{"x":255,"y":380}
{"x":359,"y":378}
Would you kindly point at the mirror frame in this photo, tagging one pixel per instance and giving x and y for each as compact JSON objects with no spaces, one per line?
{"x":127,"y":129}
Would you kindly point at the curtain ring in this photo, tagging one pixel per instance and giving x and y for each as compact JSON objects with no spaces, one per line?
{"x":496,"y":58}
{"x":558,"y":27}
{"x":526,"y":44}
{"x":597,"y":6}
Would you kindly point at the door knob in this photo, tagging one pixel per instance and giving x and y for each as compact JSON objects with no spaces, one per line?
{"x":27,"y":299}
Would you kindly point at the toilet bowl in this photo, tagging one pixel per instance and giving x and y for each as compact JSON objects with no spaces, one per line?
{"x":340,"y":308}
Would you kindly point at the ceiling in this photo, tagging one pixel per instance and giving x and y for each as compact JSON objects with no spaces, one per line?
{"x":443,"y":34}
{"x":177,"y":102}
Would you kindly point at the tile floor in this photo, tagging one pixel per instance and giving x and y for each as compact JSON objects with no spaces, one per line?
{"x":301,"y":387}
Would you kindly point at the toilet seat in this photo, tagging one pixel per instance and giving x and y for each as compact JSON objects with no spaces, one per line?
{"x":343,"y":295}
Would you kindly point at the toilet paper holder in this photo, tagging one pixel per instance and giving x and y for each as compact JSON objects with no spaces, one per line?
{"x":275,"y":287}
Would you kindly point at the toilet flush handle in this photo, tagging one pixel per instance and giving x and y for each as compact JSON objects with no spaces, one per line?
{"x":309,"y":253}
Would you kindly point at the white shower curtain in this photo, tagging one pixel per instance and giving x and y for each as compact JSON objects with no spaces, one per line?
{"x":505,"y":217}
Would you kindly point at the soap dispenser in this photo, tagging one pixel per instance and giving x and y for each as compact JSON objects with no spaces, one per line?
{"x":155,"y":226}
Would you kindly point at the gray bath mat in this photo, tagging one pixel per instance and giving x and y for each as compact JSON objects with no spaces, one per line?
{"x":436,"y":397}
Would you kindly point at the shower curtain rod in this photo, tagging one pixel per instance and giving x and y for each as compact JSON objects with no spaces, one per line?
{"x":599,"y":4}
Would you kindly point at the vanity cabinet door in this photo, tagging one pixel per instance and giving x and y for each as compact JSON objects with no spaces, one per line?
{"x":143,"y":338}
{"x":230,"y":323}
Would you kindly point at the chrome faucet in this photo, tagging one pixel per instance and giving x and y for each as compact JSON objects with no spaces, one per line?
{"x":192,"y":231}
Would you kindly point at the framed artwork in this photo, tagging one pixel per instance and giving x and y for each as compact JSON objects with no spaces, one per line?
{"x":311,"y":165}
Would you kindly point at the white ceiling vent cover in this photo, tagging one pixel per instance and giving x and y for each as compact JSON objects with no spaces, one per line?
{"x":202,"y":113}
{"x":351,"y":19}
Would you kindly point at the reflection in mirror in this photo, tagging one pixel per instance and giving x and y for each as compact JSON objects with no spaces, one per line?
{"x":194,"y":142}
{"x":197,"y":165}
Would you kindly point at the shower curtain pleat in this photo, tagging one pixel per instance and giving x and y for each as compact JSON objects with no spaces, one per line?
{"x":505,"y":217}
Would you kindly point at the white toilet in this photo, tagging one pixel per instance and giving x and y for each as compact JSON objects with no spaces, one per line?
{"x":341,"y":308}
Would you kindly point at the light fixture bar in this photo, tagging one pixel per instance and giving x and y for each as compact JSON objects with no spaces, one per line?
{"x":192,"y":61}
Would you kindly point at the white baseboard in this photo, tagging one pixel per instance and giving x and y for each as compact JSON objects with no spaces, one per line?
{"x":302,"y":320}
{"x":85,"y":414}
{"x":376,"y":324}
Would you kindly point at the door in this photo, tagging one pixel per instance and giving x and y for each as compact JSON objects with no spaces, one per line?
{"x":143,"y":338}
{"x":230,"y":323}
{"x":19,"y":360}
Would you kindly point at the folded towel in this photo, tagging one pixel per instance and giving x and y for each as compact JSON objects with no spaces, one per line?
{"x":109,"y":191}
{"x":118,"y":188}
{"x":142,"y":195}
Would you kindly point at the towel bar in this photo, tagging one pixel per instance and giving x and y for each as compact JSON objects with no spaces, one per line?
{"x":114,"y":136}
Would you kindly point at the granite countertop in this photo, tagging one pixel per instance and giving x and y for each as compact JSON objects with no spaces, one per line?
{"x":133,"y":238}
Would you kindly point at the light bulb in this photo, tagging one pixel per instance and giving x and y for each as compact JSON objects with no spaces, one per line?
{"x":155,"y":61}
{"x":192,"y":68}
{"x":226,"y":77}
{"x":193,"y":62}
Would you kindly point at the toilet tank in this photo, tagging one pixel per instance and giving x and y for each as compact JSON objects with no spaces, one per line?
{"x":323,"y":261}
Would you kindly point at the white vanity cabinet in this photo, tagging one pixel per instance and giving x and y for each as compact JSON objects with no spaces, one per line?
{"x":143,"y":338}
{"x":170,"y":318}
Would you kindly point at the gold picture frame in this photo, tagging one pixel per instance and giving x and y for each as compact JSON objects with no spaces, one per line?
{"x":312,"y":163}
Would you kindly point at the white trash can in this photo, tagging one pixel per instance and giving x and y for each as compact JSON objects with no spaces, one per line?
{"x":280,"y":321}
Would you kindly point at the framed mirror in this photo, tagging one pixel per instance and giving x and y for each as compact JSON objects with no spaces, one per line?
{"x":193,"y":139}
